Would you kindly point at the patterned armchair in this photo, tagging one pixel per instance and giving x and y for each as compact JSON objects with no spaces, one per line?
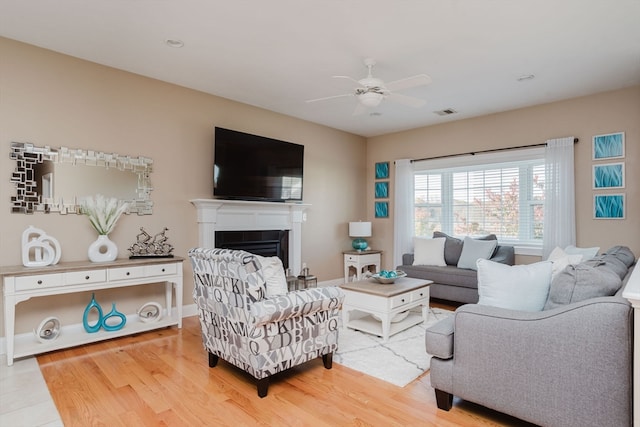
{"x":260,"y":335}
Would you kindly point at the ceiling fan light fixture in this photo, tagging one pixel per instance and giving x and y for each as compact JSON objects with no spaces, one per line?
{"x":370,"y":99}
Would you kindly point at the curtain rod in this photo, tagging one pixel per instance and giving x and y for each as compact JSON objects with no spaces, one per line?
{"x":473,"y":153}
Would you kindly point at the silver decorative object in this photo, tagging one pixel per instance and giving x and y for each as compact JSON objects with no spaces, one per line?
{"x":147,"y":246}
{"x":48,"y":330}
{"x":150,"y":312}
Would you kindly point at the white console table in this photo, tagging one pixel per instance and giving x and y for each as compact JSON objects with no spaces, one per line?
{"x":22,"y":283}
{"x":359,"y":260}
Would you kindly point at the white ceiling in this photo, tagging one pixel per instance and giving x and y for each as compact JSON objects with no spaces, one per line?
{"x":276,"y":54}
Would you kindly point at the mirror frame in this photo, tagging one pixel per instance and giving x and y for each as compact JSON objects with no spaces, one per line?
{"x":26,"y":200}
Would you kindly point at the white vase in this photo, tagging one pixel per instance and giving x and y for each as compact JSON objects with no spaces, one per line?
{"x":103,"y":249}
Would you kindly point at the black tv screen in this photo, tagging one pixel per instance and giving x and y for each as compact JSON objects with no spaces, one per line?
{"x":251,"y":167}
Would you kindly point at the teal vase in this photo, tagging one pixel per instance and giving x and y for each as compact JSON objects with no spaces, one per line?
{"x":85,"y":318}
{"x":114,"y":313}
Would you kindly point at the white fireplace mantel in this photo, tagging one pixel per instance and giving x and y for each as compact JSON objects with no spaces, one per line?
{"x":240,"y":215}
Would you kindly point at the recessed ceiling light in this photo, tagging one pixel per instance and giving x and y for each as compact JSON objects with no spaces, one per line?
{"x":375,"y":114}
{"x":174,"y":43}
{"x":526,"y":77}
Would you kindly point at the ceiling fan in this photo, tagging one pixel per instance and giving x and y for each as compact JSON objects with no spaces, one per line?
{"x":372,"y":91}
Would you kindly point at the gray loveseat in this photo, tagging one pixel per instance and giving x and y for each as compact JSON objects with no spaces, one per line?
{"x":570,"y":365}
{"x":450,"y":282}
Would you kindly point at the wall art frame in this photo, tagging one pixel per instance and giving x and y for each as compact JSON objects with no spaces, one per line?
{"x":381,"y":209}
{"x":608,"y":146}
{"x":382,"y":190}
{"x":608,"y":175}
{"x":609,"y":206}
{"x":382,"y":170}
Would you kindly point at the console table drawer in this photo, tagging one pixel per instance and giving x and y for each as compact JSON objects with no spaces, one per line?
{"x":161,"y":269}
{"x":79,"y":277}
{"x":39,"y":281}
{"x":126,"y":273}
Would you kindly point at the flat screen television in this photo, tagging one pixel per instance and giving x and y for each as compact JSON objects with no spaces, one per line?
{"x":251,"y":167}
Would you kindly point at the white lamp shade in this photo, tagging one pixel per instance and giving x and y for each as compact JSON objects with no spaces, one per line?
{"x":360,"y":229}
{"x":370,"y":99}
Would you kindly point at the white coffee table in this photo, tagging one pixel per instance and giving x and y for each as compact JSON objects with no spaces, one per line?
{"x":366,"y":298}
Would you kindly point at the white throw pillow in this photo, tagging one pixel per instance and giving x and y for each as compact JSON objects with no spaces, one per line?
{"x":587,"y":253}
{"x":429,"y":251}
{"x":516,"y":287}
{"x":473,"y":249}
{"x":273,"y":272}
{"x":561,"y":260}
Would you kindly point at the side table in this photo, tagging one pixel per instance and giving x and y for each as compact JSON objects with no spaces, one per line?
{"x":359,"y":260}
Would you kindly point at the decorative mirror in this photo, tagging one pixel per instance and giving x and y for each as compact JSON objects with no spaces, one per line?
{"x":56,"y":180}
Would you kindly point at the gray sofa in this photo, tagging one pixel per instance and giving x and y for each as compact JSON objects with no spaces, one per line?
{"x":450,"y":282}
{"x":570,"y":365}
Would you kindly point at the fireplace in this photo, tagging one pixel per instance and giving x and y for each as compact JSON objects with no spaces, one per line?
{"x":260,"y":242}
{"x":216,"y":215}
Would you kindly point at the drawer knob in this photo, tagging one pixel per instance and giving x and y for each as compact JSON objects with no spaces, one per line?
{"x":163,"y":270}
{"x":39,"y":282}
{"x":128,"y":273}
{"x":402,"y":300}
{"x":87,"y":277}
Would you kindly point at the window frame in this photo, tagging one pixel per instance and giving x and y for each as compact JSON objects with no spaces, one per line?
{"x":485,"y":160}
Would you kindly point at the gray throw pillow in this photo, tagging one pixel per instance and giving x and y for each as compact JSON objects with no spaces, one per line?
{"x":623,"y":253}
{"x":453,"y":246}
{"x":581,"y":282}
{"x":473,"y":250}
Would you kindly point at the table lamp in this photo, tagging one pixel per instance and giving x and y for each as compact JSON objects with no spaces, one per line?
{"x":359,"y":230}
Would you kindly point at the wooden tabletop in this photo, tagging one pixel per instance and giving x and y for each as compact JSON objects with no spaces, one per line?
{"x":402,"y":285}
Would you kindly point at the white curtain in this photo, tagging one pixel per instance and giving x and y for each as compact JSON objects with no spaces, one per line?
{"x":403,"y":210}
{"x":559,"y":197}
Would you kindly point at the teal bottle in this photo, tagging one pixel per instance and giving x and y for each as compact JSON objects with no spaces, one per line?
{"x":85,"y":318}
{"x":111,"y":314}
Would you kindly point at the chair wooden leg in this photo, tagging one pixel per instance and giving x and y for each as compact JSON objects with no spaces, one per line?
{"x":263,"y":386}
{"x":327,"y":360}
{"x":213,"y":360}
{"x":444,"y":400}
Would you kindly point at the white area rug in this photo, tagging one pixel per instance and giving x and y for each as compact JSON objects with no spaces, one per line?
{"x":399,"y":361}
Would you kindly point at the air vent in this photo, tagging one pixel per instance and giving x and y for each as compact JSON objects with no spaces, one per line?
{"x":446,"y":112}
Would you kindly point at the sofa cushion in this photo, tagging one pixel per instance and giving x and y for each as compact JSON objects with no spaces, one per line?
{"x":473,"y":249}
{"x":581,"y":282}
{"x":428,"y":251}
{"x":445,"y":275}
{"x":561,"y":260}
{"x":623,"y":253}
{"x":587,"y":253}
{"x":516,"y":287}
{"x":453,"y":246}
{"x":273,"y":271}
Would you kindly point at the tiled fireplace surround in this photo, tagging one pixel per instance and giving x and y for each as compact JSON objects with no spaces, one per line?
{"x":238,"y":215}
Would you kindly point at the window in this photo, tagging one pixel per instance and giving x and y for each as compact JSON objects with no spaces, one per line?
{"x":500,"y":193}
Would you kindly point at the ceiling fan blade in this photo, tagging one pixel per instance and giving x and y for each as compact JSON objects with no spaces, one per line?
{"x":348,"y":78}
{"x":329,"y":97}
{"x":359,"y":110}
{"x":406,"y":100}
{"x":409,"y":82}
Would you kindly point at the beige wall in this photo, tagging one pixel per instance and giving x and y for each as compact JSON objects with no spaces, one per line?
{"x":52,"y":99}
{"x":580,"y":117}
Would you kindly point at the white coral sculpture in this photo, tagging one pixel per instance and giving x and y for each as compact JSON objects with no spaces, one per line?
{"x":103,"y":212}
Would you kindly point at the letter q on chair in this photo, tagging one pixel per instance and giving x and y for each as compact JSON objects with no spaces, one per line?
{"x":258,"y":334}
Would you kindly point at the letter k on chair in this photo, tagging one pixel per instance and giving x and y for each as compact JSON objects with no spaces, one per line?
{"x":260,"y":335}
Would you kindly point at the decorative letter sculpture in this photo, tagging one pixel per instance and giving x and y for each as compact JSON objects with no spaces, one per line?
{"x":39,"y":249}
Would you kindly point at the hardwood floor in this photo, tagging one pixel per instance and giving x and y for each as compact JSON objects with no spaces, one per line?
{"x":162,"y":378}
